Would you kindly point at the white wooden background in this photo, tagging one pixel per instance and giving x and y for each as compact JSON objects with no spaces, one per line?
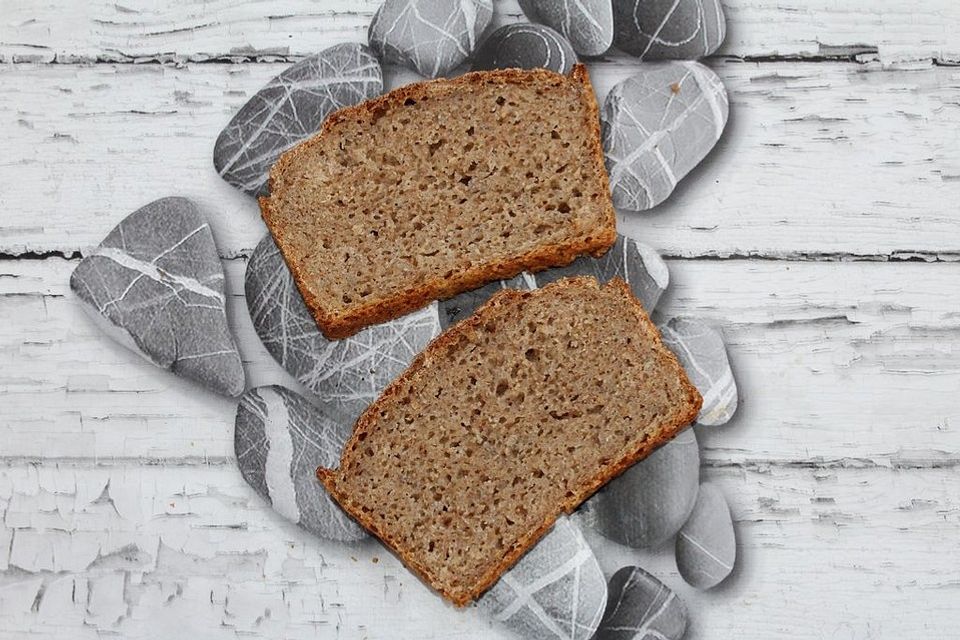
{"x":822,"y":236}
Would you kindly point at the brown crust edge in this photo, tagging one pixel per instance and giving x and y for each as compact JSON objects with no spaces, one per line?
{"x":337,"y":326}
{"x":686,"y":415}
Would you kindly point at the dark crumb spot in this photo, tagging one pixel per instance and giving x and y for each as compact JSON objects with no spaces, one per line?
{"x":409,"y":102}
{"x":675,"y":87}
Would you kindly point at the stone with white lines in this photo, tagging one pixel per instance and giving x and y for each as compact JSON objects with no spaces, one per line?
{"x":657,"y":126}
{"x":347,"y":374}
{"x":155,"y":284}
{"x":700,"y":349}
{"x":280,"y":439}
{"x":668,"y":29}
{"x":587,"y":24}
{"x":556,"y":590}
{"x":637,"y":264}
{"x":290,"y":108}
{"x":647,"y":504}
{"x":640,"y":607}
{"x":432,"y":37}
{"x":525,"y":46}
{"x":707,"y":544}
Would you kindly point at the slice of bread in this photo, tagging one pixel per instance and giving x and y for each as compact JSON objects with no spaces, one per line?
{"x":437,"y":188}
{"x":509,"y":418}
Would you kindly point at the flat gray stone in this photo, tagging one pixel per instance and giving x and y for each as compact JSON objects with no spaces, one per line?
{"x":432,"y":37}
{"x":280,"y":439}
{"x":636,"y":263}
{"x":291,"y":108}
{"x":668,"y":29}
{"x":700,"y":349}
{"x":587,"y":24}
{"x":556,"y":590}
{"x":347,"y":374}
{"x":707,"y":544}
{"x":640,"y":607}
{"x":525,"y":46}
{"x":657,"y":126}
{"x":155,"y":284}
{"x":647,"y":504}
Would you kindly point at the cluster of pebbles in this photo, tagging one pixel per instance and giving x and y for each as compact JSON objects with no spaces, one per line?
{"x":156,"y":285}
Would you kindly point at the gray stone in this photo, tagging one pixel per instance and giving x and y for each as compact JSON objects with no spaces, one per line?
{"x":348,"y":374}
{"x":556,"y":590}
{"x":464,"y":304}
{"x":155,"y":284}
{"x":431,"y":37}
{"x":290,"y":108}
{"x":587,"y":24}
{"x":647,"y":504}
{"x":668,"y":29}
{"x":636,"y":263}
{"x":280,"y":439}
{"x":525,"y":46}
{"x":640,"y":607}
{"x":657,"y":126}
{"x":701,"y":351}
{"x":707,"y":544}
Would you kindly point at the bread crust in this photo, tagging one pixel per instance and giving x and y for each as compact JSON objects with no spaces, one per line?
{"x":343,"y":325}
{"x":686,"y":414}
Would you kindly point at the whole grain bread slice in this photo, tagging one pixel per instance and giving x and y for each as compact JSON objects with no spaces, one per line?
{"x":437,"y":188}
{"x":506,"y":420}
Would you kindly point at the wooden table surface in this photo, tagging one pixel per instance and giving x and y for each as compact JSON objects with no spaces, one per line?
{"x":822,"y":236}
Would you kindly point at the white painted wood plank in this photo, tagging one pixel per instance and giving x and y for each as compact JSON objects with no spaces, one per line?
{"x":161,"y":551}
{"x":62,"y":30}
{"x":836,"y":363}
{"x":817,"y":159}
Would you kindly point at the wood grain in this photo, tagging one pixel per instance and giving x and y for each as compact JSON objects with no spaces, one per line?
{"x":838,"y":364}
{"x":196,"y":552}
{"x":892,"y":31}
{"x":818,"y":161}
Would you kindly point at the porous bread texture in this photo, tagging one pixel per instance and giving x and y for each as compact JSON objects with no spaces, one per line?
{"x":437,"y":188}
{"x":506,"y":420}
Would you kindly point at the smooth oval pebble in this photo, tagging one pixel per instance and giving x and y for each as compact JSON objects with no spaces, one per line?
{"x":525,"y":46}
{"x":155,"y":285}
{"x":640,"y":607}
{"x":280,"y":439}
{"x":707,"y":544}
{"x":700,"y":349}
{"x":647,"y":504}
{"x":347,"y":374}
{"x":291,"y":108}
{"x":556,"y":590}
{"x":587,"y":24}
{"x":432,"y":37}
{"x":657,"y":126}
{"x":639,"y":265}
{"x":668,"y":29}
